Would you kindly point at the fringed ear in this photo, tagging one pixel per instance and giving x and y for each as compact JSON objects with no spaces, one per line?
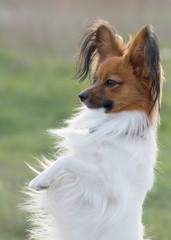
{"x":98,"y":42}
{"x":143,"y":55}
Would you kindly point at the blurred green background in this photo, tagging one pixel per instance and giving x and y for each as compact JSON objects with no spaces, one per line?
{"x":38,"y":40}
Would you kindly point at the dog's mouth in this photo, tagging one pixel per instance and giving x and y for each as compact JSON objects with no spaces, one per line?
{"x":107,"y":105}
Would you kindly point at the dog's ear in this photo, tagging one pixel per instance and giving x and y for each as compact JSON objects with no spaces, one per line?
{"x":143,"y":55}
{"x":98,"y":43}
{"x":108,"y":43}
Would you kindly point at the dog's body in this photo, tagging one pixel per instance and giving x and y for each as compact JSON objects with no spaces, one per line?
{"x":96,"y":189}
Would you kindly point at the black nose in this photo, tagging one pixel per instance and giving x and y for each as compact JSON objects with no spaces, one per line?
{"x":83,"y":96}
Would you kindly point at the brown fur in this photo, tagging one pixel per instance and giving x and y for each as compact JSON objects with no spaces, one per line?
{"x":135,"y":67}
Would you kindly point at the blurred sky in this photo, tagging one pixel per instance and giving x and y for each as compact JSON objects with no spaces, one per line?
{"x":53,"y":27}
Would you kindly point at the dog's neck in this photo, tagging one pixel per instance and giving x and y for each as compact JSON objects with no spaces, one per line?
{"x":129,"y":123}
{"x":96,"y":125}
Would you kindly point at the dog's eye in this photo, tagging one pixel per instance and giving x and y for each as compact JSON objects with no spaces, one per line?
{"x":111,"y":83}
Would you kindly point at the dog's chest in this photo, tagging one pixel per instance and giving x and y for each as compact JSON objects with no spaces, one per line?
{"x":123,"y":163}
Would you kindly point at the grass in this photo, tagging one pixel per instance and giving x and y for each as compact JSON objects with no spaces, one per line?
{"x":37,"y":94}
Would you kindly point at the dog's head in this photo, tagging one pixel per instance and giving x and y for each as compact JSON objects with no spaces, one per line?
{"x":126,"y":77}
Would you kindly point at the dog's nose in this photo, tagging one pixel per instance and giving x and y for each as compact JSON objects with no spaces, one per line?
{"x":83,"y":96}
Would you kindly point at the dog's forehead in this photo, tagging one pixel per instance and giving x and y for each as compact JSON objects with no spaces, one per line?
{"x":109,"y":67}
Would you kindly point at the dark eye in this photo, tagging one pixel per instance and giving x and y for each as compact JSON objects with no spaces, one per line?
{"x":111,"y":83}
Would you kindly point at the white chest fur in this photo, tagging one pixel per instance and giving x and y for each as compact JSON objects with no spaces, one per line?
{"x":98,"y":191}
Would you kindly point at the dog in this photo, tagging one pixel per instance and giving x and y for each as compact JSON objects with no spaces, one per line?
{"x":95,"y":188}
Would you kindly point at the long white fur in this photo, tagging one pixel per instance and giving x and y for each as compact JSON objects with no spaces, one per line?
{"x":96,"y":189}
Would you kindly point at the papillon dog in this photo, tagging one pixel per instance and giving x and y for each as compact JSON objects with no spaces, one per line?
{"x":95,"y":188}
